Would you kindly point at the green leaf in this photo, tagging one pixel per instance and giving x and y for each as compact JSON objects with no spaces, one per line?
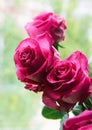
{"x":63,"y":120}
{"x":90,"y":69}
{"x":77,"y":109}
{"x":56,"y":45}
{"x":52,"y":114}
{"x":61,"y":46}
{"x":88,"y":103}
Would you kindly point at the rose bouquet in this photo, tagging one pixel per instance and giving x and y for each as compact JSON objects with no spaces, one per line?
{"x":65,"y":84}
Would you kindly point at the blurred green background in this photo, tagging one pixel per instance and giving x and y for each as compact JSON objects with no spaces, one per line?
{"x":21,"y":109}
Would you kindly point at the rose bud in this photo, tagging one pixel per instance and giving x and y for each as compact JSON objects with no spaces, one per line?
{"x":48,"y":22}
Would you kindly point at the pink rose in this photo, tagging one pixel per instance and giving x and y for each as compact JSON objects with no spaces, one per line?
{"x":47,"y":22}
{"x":81,"y":122}
{"x":68,"y":83}
{"x":32,"y":59}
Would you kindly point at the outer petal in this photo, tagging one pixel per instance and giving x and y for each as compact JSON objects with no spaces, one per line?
{"x":49,"y":102}
{"x":80,"y":58}
{"x":43,"y":15}
{"x":87,"y":127}
{"x":72,"y":122}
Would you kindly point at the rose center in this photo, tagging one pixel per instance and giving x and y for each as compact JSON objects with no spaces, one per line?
{"x":27,"y":56}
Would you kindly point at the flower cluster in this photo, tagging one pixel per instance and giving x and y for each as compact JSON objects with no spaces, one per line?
{"x":38,"y":64}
